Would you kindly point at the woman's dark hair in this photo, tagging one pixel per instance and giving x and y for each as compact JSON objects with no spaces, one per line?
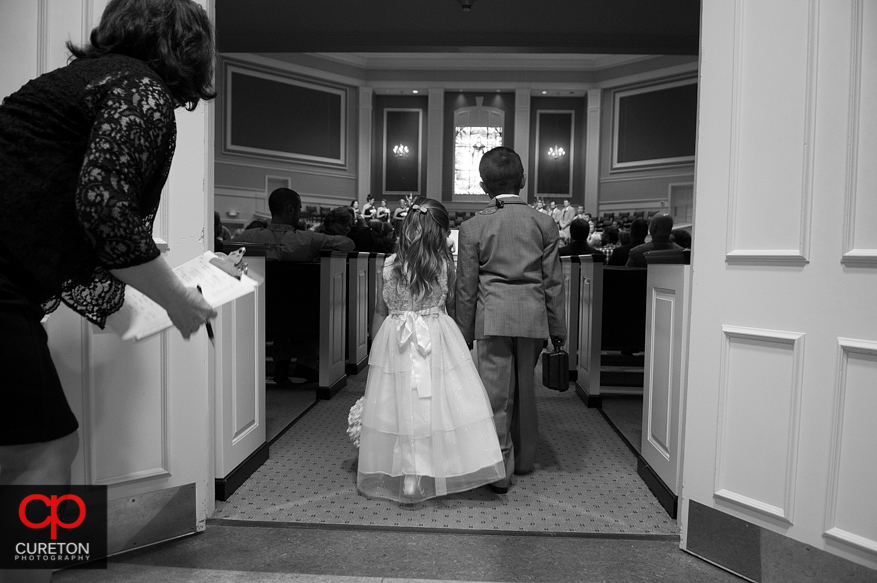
{"x":173,"y":37}
{"x":579,"y":230}
{"x":341,"y":215}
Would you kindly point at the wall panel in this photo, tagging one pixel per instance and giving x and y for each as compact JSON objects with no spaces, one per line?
{"x":776,"y":107}
{"x":851,"y":516}
{"x":127,"y":408}
{"x":660,"y":376}
{"x":860,"y":244}
{"x":760,"y":386}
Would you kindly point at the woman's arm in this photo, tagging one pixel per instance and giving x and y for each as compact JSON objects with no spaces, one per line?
{"x":187,"y":309}
{"x":381,"y":310}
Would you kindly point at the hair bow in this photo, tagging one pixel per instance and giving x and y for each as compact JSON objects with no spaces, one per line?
{"x":417,"y":207}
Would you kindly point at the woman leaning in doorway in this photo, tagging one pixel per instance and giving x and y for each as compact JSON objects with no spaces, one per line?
{"x":85,"y":150}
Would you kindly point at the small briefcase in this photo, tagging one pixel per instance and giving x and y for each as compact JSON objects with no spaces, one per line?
{"x":555,"y":370}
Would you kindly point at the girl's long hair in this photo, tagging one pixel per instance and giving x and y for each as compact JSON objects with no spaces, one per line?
{"x":422,"y":250}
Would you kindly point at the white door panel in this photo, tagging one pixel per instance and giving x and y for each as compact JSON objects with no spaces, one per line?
{"x":782,"y":366}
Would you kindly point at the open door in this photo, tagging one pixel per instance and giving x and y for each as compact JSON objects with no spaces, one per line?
{"x":144,"y":408}
{"x":779,"y":472}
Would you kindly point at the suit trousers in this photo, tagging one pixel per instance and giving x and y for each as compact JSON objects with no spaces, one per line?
{"x":506,"y":365}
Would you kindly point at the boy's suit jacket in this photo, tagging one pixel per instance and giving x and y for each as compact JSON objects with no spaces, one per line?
{"x":509,"y":279}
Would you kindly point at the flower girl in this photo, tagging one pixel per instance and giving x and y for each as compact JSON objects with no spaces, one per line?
{"x":426,"y":427}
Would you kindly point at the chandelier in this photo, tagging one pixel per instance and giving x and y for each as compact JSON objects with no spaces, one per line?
{"x":556,"y":152}
{"x":400,"y":151}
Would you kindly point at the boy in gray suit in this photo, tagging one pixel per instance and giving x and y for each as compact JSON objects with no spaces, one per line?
{"x":509,"y":297}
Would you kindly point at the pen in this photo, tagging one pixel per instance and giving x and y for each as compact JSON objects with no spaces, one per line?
{"x":207,"y":323}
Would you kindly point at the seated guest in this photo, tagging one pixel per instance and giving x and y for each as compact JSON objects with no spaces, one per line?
{"x":368,"y":209}
{"x":365,"y":240}
{"x":660,"y":228}
{"x":610,"y":241}
{"x":220,"y":232}
{"x":681,"y":237}
{"x":638,"y":231}
{"x":578,"y":232}
{"x":382,"y":213}
{"x":337,"y":222}
{"x":287,"y":241}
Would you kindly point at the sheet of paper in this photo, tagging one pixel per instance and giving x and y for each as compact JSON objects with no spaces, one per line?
{"x":140,"y":317}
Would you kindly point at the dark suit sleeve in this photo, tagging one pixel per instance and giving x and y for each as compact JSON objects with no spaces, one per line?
{"x":467,"y":283}
{"x":552,"y":277}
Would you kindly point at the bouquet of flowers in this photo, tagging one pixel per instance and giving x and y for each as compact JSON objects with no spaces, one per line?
{"x":354,"y":422}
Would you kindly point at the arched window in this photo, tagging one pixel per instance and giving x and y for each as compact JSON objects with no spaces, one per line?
{"x":476,"y":130}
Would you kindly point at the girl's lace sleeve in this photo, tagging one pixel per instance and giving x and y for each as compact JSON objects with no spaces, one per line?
{"x":126,"y":162}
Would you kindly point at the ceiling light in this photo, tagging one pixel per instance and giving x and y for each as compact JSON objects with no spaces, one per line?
{"x":415,"y":91}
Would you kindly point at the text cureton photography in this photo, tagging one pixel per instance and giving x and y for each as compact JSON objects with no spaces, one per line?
{"x":53,"y":527}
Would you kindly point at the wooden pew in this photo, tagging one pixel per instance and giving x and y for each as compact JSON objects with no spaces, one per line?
{"x":613,"y":305}
{"x":358,"y":272}
{"x":239,"y":384}
{"x":572,"y":285}
{"x":375,"y":267}
{"x":589,"y":329}
{"x":308,"y":302}
{"x":666,"y":365}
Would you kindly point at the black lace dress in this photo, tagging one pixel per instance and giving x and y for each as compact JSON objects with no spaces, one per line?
{"x":84,"y":153}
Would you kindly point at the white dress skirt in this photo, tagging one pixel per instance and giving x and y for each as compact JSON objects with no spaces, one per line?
{"x":427,"y":425}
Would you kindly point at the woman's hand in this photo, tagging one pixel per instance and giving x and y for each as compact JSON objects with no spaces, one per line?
{"x":184,"y":305}
{"x":189,"y":312}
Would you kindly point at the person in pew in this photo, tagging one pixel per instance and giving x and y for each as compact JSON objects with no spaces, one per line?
{"x":287,"y":241}
{"x":510,"y":297}
{"x":609,"y":242}
{"x":681,"y":237}
{"x":365,"y":240}
{"x":427,"y":428}
{"x":338,"y":222}
{"x":85,"y":151}
{"x":578,"y":245}
{"x":660,"y":228}
{"x":638,"y":231}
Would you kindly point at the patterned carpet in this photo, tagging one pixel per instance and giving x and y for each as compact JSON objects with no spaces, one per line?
{"x":585,"y":480}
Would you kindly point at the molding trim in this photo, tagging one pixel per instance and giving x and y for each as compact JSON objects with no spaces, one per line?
{"x":766,"y":257}
{"x":87,"y":19}
{"x":798,"y":256}
{"x":647,"y":174}
{"x":589,"y":400}
{"x":846,"y":346}
{"x":326,"y":393}
{"x":795,"y":341}
{"x":43,"y":23}
{"x":851,"y":255}
{"x":226,"y":486}
{"x":276,"y":168}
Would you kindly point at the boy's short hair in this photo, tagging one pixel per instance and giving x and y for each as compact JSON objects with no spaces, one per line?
{"x":502,"y":171}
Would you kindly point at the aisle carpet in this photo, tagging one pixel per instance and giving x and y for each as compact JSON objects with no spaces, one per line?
{"x":585,"y":480}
